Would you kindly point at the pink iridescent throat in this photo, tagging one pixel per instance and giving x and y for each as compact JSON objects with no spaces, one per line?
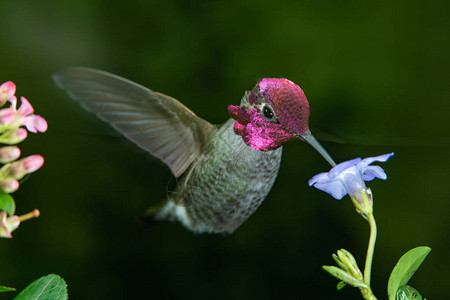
{"x":256,"y":131}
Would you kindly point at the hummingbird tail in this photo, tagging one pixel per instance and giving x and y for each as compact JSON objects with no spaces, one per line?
{"x":164,"y":211}
{"x":152,"y":211}
{"x":150,"y":214}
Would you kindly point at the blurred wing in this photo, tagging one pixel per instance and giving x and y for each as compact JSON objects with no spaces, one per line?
{"x":157,"y":123}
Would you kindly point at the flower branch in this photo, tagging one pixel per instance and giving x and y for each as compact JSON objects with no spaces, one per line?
{"x":13,"y":169}
{"x":349,"y":178}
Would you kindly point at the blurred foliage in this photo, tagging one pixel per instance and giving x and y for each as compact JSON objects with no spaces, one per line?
{"x":375,"y":73}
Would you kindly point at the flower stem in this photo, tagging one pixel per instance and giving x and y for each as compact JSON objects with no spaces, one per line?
{"x":367,"y":292}
{"x":34,"y":214}
{"x":370,"y":248}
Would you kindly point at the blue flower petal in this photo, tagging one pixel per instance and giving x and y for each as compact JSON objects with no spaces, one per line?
{"x":322,"y":178}
{"x":353,"y":181}
{"x":367,"y":161}
{"x":372,"y":172}
{"x":336,"y":170}
{"x":334,"y":188}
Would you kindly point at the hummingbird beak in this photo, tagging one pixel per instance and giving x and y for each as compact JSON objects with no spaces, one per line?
{"x":310,"y":139}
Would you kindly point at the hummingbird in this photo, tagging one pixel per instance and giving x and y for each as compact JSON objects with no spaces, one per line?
{"x":223,"y":172}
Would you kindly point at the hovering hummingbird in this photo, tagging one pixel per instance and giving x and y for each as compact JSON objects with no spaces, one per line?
{"x":224,"y":172}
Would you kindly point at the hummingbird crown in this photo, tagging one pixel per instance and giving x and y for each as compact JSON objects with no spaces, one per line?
{"x":275,"y":111}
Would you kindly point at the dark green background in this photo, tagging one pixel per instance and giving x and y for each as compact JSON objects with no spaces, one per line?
{"x":375,"y":73}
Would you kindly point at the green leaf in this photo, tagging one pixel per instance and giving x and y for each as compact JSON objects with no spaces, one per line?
{"x":405,"y":269}
{"x":344,"y":276}
{"x":47,"y":287}
{"x":341,"y":285}
{"x":340,"y":263}
{"x":6,"y":289}
{"x":7,"y":203}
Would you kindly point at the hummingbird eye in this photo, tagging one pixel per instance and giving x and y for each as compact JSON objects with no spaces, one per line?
{"x":268,"y":113}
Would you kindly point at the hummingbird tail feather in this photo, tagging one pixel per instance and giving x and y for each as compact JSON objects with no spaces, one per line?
{"x":167,"y":211}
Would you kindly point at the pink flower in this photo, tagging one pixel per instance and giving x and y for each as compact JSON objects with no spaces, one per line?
{"x":8,"y":225}
{"x":7,"y":116}
{"x":7,"y":91}
{"x":34,"y":123}
{"x":12,"y":117}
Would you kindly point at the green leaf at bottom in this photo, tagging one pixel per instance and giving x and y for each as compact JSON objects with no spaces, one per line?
{"x":341,"y":285}
{"x":405,"y":269}
{"x":47,"y":287}
{"x":7,"y":203}
{"x":6,"y":289}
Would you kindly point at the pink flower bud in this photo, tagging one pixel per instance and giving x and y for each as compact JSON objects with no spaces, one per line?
{"x":8,"y":88}
{"x":13,"y":136}
{"x":21,"y":134}
{"x":9,"y":154}
{"x":18,"y":169}
{"x":7,"y":91}
{"x":32,"y":163}
{"x":9,"y":185}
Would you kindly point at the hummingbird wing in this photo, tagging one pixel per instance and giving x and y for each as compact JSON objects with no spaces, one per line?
{"x":155,"y":122}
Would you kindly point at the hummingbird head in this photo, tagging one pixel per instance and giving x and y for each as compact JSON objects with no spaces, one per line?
{"x":274,"y":112}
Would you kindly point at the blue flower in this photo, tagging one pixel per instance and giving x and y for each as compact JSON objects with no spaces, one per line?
{"x":349,"y":177}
